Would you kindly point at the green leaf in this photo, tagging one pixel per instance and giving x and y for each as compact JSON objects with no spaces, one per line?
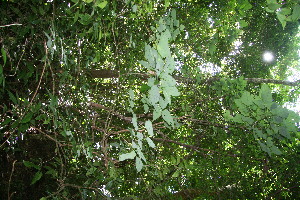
{"x":167,"y":4}
{"x":149,"y":127}
{"x":134,"y":8}
{"x":212,"y":48}
{"x":264,"y":148}
{"x":243,"y":23}
{"x":284,"y":132}
{"x":275,"y":150}
{"x":131,"y":103}
{"x":131,"y":94}
{"x":227,"y":115}
{"x":13,"y":98}
{"x":154,"y":95}
{"x":163,"y":104}
{"x":134,"y":122}
{"x":167,"y":80}
{"x":138,"y":164}
{"x":3,"y":52}
{"x":296,"y":12}
{"x":101,"y":4}
{"x":269,"y":142}
{"x":76,"y":17}
{"x":176,"y":174}
{"x":150,"y":142}
{"x":274,"y":6}
{"x":146,"y":108}
{"x":157,"y":113}
{"x":171,"y":91}
{"x":140,"y":154}
{"x":151,"y":82}
{"x":140,"y":136}
{"x":162,"y":25}
{"x":249,"y":120}
{"x":145,"y":64}
{"x":85,"y":19}
{"x":145,"y":88}
{"x":265,"y":94}
{"x":126,"y":156}
{"x":282,"y":18}
{"x":163,"y":45}
{"x":30,"y":164}
{"x":27,"y":117}
{"x":38,"y":175}
{"x":285,"y":11}
{"x":168,"y":117}
{"x":6,"y":121}
{"x":134,"y":145}
{"x":170,"y":65}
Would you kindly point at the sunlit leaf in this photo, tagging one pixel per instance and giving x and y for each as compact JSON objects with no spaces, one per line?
{"x":282,"y":18}
{"x":102,"y":4}
{"x":154,"y":95}
{"x":274,"y":6}
{"x":138,"y":164}
{"x":126,"y":156}
{"x":140,"y":136}
{"x":148,"y":126}
{"x":296,"y":12}
{"x":150,"y":142}
{"x":146,"y":108}
{"x":131,"y":94}
{"x":157,"y":113}
{"x":168,"y":117}
{"x":134,"y":8}
{"x":163,"y":104}
{"x":134,"y":122}
{"x":265,"y":94}
{"x":163,"y":46}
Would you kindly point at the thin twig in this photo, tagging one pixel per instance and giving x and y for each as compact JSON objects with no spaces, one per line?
{"x":12,"y":171}
{"x":37,"y":88}
{"x":7,"y":25}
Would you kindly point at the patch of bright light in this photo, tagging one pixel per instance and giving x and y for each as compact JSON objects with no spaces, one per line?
{"x":268,"y":56}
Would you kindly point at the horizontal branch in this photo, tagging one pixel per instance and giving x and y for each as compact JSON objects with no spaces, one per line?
{"x":103,"y":73}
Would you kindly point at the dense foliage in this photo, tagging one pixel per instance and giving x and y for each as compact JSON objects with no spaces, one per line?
{"x":135,"y":99}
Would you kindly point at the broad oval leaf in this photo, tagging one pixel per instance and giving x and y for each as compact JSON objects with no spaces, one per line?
{"x":168,"y":117}
{"x":154,"y":95}
{"x":126,"y":156}
{"x":157,"y":113}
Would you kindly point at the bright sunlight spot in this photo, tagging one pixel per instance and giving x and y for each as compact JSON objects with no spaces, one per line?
{"x":268,"y":56}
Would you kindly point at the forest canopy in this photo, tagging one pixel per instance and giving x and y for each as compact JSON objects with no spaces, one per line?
{"x":135,"y":99}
